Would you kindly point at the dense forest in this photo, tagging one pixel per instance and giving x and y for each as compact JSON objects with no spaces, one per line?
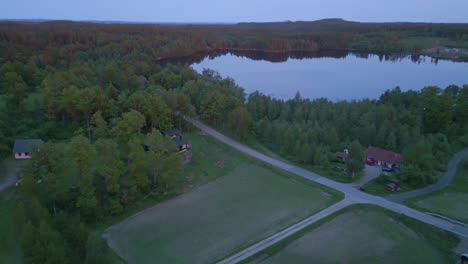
{"x":95,"y":93}
{"x":62,"y":42}
{"x":425,"y":126}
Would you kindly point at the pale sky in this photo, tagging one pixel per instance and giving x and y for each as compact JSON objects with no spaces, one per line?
{"x":238,"y":11}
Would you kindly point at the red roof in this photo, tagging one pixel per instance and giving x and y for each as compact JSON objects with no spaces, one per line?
{"x":341,"y":154}
{"x":383,"y":155}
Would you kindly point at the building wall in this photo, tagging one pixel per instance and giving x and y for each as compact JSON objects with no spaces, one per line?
{"x":20,"y":155}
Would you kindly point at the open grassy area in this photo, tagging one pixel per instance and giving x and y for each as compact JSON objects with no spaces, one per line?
{"x":9,"y":171}
{"x":451,"y":201}
{"x":364,"y":234}
{"x":10,"y":250}
{"x":248,"y":204}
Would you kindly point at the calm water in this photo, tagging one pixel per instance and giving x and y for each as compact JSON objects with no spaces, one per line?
{"x":347,"y":77}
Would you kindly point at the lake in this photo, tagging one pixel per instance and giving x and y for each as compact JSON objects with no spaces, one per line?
{"x":336,"y":76}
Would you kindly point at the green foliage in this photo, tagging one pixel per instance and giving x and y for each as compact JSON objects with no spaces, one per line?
{"x":240,"y":122}
{"x":355,"y":159}
{"x":129,"y":125}
{"x":95,"y":251}
{"x":99,"y":126}
{"x":42,"y":245}
{"x":111,"y":168}
{"x":308,"y":131}
{"x":138,"y":166}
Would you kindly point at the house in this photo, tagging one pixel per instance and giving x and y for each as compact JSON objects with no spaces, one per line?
{"x":173,"y":133}
{"x":342,"y":155}
{"x":176,"y":137}
{"x":387,"y":160}
{"x":181,"y":144}
{"x":22,"y":147}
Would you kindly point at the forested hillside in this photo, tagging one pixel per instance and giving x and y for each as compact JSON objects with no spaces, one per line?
{"x":96,"y":94}
{"x":64,"y":42}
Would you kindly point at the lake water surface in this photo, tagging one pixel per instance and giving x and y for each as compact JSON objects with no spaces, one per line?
{"x":345,"y":78}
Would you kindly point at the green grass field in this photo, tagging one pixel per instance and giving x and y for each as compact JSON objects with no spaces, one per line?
{"x":364,"y":234}
{"x":451,"y":201}
{"x":217,"y":219}
{"x":10,"y":250}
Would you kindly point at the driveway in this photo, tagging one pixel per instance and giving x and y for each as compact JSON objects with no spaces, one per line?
{"x":370,"y":173}
{"x":9,"y":170}
{"x":444,"y":181}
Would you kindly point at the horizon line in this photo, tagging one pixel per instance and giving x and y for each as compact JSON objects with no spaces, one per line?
{"x":98,"y":21}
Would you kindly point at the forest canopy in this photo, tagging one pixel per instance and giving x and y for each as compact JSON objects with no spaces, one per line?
{"x":96,"y":94}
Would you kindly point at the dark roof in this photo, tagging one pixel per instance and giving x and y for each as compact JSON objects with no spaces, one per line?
{"x":383,"y":155}
{"x":23,"y":145}
{"x":172,"y":132}
{"x":179,"y":141}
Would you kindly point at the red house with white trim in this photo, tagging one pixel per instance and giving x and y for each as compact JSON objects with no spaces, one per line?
{"x":387,"y":160}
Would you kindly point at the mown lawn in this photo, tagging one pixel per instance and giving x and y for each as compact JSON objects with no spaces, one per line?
{"x":10,"y":250}
{"x":364,"y":234}
{"x":451,"y":201}
{"x":217,"y":219}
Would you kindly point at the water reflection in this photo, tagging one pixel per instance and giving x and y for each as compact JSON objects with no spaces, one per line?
{"x":335,"y":75}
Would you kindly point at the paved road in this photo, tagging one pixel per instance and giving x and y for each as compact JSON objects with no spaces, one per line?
{"x":352,"y":195}
{"x":444,"y":181}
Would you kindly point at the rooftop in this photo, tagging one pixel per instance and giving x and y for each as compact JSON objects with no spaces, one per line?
{"x":172,"y":132}
{"x":23,"y":145}
{"x":383,"y":155}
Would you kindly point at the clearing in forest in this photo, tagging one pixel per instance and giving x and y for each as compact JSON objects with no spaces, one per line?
{"x":217,"y":219}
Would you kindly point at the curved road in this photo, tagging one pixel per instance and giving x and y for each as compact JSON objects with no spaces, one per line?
{"x":352,"y":196}
{"x":444,"y":181}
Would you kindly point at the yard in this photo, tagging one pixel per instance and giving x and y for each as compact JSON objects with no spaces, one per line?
{"x":217,"y":219}
{"x":364,"y":234}
{"x":451,"y":201}
{"x":10,"y":250}
{"x":9,"y":170}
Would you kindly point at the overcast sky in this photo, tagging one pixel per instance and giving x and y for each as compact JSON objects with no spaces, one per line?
{"x":238,"y":11}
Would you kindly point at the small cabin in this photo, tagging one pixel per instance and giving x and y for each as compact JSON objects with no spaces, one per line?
{"x":22,"y":148}
{"x":181,"y":144}
{"x":176,"y":137}
{"x":173,"y":133}
{"x":342,"y":155}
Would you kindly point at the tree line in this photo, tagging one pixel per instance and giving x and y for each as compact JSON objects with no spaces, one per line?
{"x":425,"y":126}
{"x":64,"y":42}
